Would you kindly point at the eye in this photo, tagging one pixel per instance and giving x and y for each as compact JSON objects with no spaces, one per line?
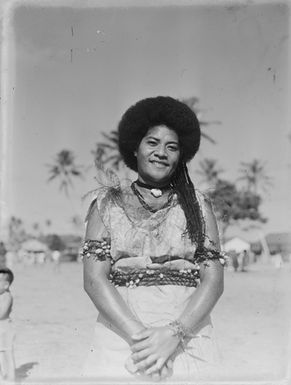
{"x":173,"y":147}
{"x":152,"y":142}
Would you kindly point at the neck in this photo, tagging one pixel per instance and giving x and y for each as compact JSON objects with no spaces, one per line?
{"x":150,"y":186}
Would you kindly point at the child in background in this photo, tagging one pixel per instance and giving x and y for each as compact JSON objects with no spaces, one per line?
{"x":7,"y":365}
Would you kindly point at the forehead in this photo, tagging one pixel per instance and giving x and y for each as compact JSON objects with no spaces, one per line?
{"x":163,"y":132}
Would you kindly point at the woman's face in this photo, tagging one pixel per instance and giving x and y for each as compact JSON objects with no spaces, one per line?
{"x":158,"y":155}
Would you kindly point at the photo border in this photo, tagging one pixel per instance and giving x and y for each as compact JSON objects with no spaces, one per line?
{"x":7,"y":9}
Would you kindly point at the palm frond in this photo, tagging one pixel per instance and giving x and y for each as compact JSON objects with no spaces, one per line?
{"x":65,"y":169}
{"x":205,"y":123}
{"x":112,"y":137}
{"x":205,"y":136}
{"x":106,"y":146}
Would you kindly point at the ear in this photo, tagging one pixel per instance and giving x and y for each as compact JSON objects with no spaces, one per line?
{"x":135,"y":153}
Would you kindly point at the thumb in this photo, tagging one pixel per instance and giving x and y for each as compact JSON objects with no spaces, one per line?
{"x":170,"y":364}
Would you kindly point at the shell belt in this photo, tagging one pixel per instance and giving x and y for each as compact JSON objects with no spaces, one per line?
{"x":146,"y":277}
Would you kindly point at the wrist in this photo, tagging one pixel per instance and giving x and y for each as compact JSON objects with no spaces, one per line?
{"x":138,"y":327}
{"x":179,"y":331}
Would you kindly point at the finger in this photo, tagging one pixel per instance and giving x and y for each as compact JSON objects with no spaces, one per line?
{"x":156,"y":376}
{"x":170,"y":364}
{"x":154,"y":266}
{"x":164,"y":372}
{"x":141,"y":335}
{"x":144,"y":344}
{"x":141,"y":355}
{"x":137,"y":347}
{"x":148,"y":362}
{"x":130,"y":366}
{"x":158,"y":366}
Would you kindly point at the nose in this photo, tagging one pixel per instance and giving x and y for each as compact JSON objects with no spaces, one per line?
{"x":161,"y":152}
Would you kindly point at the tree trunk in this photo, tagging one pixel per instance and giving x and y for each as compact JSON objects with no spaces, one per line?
{"x":265,"y":248}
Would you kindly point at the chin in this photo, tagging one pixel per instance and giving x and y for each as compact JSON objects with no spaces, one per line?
{"x":160,"y":178}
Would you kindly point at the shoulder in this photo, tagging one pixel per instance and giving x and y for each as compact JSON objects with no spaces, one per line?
{"x":101,"y":207}
{"x":211,"y":227}
{"x":207,"y":212}
{"x":204,"y":201}
{"x":102,"y":201}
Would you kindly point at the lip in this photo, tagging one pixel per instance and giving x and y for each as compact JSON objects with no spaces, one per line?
{"x":159,"y":164}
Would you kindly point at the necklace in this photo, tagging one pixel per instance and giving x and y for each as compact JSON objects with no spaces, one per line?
{"x":155,"y":191}
{"x":144,"y":203}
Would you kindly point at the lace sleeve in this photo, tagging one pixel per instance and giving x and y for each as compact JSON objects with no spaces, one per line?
{"x":211,"y":249}
{"x":97,"y":238}
{"x":98,"y":218}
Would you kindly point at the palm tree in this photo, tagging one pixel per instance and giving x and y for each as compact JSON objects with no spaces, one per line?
{"x":48,"y":222}
{"x":65,"y":170}
{"x":192,"y":103}
{"x":36,"y":229}
{"x":77,"y":223}
{"x":48,"y":225}
{"x":209,"y":170}
{"x":108,"y":152}
{"x":16,"y":233}
{"x":254,"y":175}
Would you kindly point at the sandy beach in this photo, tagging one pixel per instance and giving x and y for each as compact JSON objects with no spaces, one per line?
{"x":54,"y":321}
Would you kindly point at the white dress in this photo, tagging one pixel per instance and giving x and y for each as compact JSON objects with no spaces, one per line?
{"x":137,"y":238}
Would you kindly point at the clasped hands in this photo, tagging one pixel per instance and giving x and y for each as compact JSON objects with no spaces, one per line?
{"x":152,"y":351}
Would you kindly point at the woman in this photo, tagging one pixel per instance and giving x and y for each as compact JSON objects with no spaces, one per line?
{"x":152,"y":262}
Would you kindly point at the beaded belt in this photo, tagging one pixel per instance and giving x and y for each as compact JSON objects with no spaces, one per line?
{"x":146,"y":277}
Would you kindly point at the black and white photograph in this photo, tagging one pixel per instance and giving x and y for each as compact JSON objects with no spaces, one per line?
{"x":145,"y":179}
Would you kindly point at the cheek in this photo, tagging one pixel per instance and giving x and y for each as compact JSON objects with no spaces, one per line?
{"x":141,"y":161}
{"x":142,"y":154}
{"x":140,"y":158}
{"x":175,"y":161}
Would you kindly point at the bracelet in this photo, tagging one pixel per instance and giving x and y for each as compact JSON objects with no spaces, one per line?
{"x":206,"y":254}
{"x":179,"y":330}
{"x":98,"y":250}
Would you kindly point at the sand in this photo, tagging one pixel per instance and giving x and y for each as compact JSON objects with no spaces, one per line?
{"x":54,"y":321}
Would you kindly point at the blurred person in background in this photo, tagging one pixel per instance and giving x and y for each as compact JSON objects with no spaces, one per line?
{"x":7,"y":364}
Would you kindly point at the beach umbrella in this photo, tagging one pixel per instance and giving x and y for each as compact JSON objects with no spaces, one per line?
{"x":236,"y":244}
{"x":34,"y":246}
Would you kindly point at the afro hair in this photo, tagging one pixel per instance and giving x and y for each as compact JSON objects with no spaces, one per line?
{"x":151,"y":112}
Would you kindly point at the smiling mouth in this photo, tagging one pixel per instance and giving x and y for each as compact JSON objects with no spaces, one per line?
{"x":159,"y":164}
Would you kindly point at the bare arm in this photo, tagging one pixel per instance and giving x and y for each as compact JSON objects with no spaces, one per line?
{"x":5,"y":305}
{"x":102,"y":293}
{"x":204,"y":298}
{"x":211,"y":287}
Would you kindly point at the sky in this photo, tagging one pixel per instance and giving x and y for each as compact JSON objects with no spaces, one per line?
{"x":74,"y":70}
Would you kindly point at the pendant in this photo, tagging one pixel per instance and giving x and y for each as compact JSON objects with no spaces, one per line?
{"x":156,"y":192}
